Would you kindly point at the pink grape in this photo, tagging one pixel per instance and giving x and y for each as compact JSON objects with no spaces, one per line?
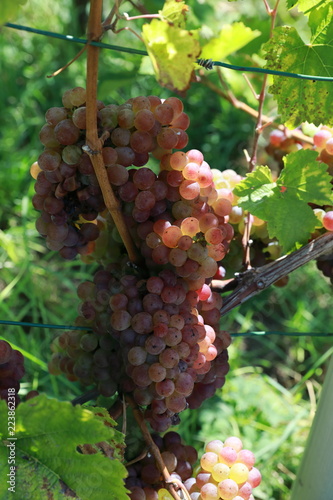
{"x":328,"y":220}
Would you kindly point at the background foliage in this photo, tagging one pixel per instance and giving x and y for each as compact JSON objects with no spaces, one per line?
{"x":274,"y":382}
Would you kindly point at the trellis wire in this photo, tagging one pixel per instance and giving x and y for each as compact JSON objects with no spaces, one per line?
{"x":205,"y":63}
{"x":244,"y":334}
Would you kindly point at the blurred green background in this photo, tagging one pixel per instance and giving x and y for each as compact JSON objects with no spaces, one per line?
{"x":274,"y":382}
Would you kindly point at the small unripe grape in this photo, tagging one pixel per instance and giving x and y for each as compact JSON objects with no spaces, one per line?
{"x":209,"y":492}
{"x":208,"y":460}
{"x":239,"y":473}
{"x":228,"y":489}
{"x":220,"y":472}
{"x":234,"y":442}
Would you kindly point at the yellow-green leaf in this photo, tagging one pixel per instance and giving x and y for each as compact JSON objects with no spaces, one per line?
{"x":231,"y":38}
{"x":174,"y":12}
{"x":10,"y":9}
{"x":173,"y":52}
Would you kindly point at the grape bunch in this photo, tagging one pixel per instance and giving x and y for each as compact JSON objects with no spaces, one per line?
{"x":67,"y":191}
{"x":11,"y":371}
{"x":227,"y":472}
{"x":144,"y":478}
{"x":173,"y":353}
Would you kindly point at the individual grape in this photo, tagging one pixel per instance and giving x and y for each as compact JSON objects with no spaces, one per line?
{"x":171,"y":236}
{"x":328,"y":220}
{"x":108,"y":118}
{"x":189,"y":190}
{"x":329,"y":146}
{"x":227,"y":489}
{"x":117,"y":174}
{"x":66,"y":132}
{"x":164,"y":113}
{"x":144,"y":120}
{"x":208,"y":461}
{"x":254,"y":477}
{"x":77,"y":96}
{"x":137,"y":355}
{"x":209,"y":492}
{"x":120,"y":136}
{"x":5,"y":352}
{"x":181,"y":121}
{"x":239,"y":473}
{"x":55,"y":115}
{"x":49,"y":160}
{"x":79,"y":117}
{"x":234,"y":442}
{"x":276,"y":137}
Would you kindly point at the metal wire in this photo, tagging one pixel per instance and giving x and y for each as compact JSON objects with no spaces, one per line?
{"x":244,"y":334}
{"x":205,"y":63}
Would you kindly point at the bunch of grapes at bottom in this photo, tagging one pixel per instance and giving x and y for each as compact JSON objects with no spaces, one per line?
{"x":150,"y":337}
{"x":144,"y":478}
{"x":11,"y":372}
{"x":227,"y":472}
{"x":67,"y":191}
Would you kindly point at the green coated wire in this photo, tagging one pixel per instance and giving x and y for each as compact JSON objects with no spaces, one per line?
{"x":41,"y":325}
{"x":244,"y":334}
{"x":206,"y":63}
{"x":70,"y":38}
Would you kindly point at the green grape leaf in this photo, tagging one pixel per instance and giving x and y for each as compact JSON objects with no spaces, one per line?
{"x":303,"y":100}
{"x":307,"y":6}
{"x":284,"y":204}
{"x":231,"y":38}
{"x":48,"y":464}
{"x":174,"y":12}
{"x":10,"y":9}
{"x":117,"y":443}
{"x":254,"y":190}
{"x":305,"y":178}
{"x":173,"y":52}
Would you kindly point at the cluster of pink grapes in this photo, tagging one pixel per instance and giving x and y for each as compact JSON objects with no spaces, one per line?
{"x":67,"y":191}
{"x":173,"y":352}
{"x":227,"y":472}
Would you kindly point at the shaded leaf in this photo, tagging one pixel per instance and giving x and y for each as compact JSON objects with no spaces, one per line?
{"x":48,"y":464}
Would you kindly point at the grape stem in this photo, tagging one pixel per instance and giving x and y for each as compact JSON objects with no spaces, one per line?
{"x":94,"y":144}
{"x":253,"y":281}
{"x":153,"y":448}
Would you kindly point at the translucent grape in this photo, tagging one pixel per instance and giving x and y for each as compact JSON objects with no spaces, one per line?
{"x":208,"y":460}
{"x":220,"y":472}
{"x":227,"y":489}
{"x":239,"y":473}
